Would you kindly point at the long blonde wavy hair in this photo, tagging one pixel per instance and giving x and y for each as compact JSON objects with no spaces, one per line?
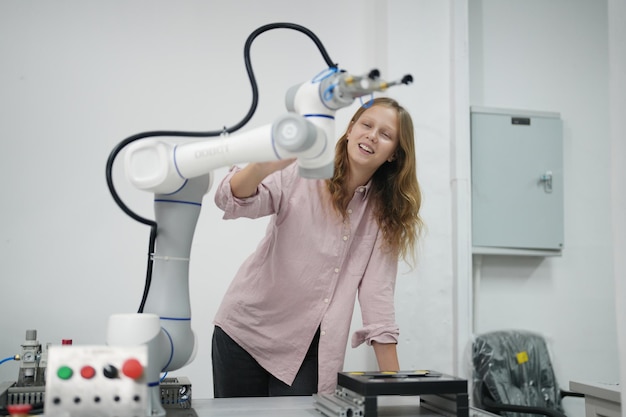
{"x":395,"y":190}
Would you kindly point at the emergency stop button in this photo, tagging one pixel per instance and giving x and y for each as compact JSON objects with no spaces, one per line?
{"x":132,"y":368}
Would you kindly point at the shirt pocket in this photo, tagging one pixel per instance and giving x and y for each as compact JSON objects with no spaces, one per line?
{"x":360,"y":254}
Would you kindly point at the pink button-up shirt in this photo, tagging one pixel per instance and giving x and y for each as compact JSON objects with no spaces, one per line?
{"x":305,"y":274}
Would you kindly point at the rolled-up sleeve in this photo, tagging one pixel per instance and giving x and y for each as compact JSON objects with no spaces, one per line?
{"x":376,"y":298}
{"x":265,"y":201}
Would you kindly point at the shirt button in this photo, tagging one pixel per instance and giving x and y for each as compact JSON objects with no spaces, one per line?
{"x":323,"y":332}
{"x":345,"y":238}
{"x":326,"y":300}
{"x":336,"y":269}
{"x":349,"y":211}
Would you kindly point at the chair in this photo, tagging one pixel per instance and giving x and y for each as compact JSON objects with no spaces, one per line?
{"x":513,"y":375}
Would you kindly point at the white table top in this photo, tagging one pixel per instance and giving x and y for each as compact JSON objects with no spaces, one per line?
{"x":605,"y":391}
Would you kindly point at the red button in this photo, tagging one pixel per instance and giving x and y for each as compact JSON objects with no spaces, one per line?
{"x":19,"y":409}
{"x":87,"y":372}
{"x":132,"y":368}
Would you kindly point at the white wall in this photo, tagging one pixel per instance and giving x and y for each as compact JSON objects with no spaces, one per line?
{"x":419,"y":40}
{"x":78,"y":77}
{"x":553,"y":56}
{"x":617,"y":77}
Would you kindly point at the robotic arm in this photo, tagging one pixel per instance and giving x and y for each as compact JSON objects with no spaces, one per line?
{"x":306,"y":133}
{"x":180,"y":174}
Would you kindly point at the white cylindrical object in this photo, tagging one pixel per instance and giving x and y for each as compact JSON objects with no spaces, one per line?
{"x":143,"y":329}
{"x":202,"y":157}
{"x":149,"y":166}
{"x":132,"y":329}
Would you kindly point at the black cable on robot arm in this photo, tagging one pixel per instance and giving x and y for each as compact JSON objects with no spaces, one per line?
{"x":255,"y":98}
{"x":243,"y":122}
{"x":299,"y":28}
{"x":248,"y":45}
{"x":118,"y":148}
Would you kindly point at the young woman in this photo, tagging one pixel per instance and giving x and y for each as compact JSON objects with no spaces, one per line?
{"x":283,"y":325}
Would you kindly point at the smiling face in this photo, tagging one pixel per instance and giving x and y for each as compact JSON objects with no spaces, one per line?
{"x":372,"y":140}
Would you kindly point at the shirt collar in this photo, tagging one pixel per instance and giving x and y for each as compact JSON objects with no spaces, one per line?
{"x":363,"y":190}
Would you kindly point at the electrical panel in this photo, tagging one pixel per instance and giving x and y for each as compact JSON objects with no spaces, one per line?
{"x":517,"y":182}
{"x":97,"y":381}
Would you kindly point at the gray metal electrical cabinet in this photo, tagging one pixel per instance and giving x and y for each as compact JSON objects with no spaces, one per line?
{"x":517,"y":182}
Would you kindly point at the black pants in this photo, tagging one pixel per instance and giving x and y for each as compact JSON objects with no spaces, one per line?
{"x":237,"y":374}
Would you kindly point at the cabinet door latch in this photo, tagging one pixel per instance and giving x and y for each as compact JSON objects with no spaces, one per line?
{"x":546,"y":179}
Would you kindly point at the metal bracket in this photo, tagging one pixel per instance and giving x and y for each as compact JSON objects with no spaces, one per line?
{"x":343,"y":403}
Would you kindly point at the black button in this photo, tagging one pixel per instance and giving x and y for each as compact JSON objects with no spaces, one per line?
{"x":110,"y":371}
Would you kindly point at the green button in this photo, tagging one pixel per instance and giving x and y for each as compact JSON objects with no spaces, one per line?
{"x":65,"y":372}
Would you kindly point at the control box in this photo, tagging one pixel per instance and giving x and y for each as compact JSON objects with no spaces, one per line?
{"x":96,"y":381}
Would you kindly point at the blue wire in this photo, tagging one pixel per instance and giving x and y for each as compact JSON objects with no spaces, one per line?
{"x":10,"y":358}
{"x":324,"y":74}
{"x":329,"y":92}
{"x":368,"y":103}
